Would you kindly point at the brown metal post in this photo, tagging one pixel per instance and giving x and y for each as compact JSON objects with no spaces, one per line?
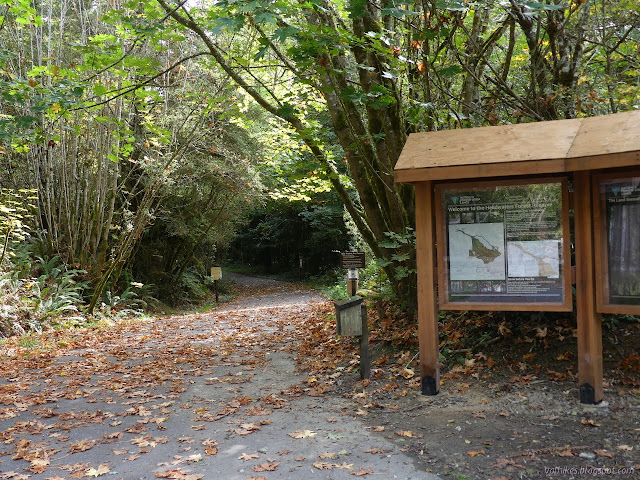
{"x":588,"y":319}
{"x":427,"y":299}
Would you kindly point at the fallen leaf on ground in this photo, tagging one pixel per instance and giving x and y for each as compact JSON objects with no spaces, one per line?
{"x":266,"y":467}
{"x":302,"y":434}
{"x":589,"y":422}
{"x":566,"y":452}
{"x":96,"y":472}
{"x":247,"y":457}
{"x":246,"y":429}
{"x":82,"y":446}
{"x":604,"y":453}
{"x":178,"y":474}
{"x":405,"y":433}
{"x":375,"y":450}
{"x":211,"y":450}
{"x":475,"y":453}
{"x":328,"y":455}
{"x":361,"y":472}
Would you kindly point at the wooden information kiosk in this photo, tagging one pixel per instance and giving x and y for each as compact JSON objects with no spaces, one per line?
{"x":493,"y":226}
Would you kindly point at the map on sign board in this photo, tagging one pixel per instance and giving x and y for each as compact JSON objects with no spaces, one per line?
{"x":504,"y":242}
{"x":539,"y":258}
{"x":476,"y":251}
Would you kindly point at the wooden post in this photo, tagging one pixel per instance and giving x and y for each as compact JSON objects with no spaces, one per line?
{"x":427,"y":306}
{"x":352,"y":282}
{"x":588,"y":319}
{"x":365,"y":361}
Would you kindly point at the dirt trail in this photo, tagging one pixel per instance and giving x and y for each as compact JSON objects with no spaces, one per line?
{"x":213,"y":396}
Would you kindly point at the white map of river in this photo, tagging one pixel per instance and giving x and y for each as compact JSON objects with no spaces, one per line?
{"x":539,"y":258}
{"x":465,"y":263}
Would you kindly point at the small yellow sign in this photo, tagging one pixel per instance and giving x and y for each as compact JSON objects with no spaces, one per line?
{"x":216,"y":273}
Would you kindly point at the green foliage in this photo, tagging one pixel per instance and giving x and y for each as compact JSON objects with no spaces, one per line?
{"x":36,"y":291}
{"x":16,"y":210}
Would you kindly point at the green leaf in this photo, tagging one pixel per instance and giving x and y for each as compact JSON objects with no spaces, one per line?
{"x":282,"y":33}
{"x":400,"y":258}
{"x":451,"y":71}
{"x":453,"y":5}
{"x":99,"y":90}
{"x":357,"y":8}
{"x":538,"y":6}
{"x":286,"y":110}
{"x":388,"y":244}
{"x":398,"y":12}
{"x":351,"y":94}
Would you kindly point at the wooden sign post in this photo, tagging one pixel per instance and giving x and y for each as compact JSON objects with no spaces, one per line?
{"x":495,"y":203}
{"x":352,"y":261}
{"x":352,"y":320}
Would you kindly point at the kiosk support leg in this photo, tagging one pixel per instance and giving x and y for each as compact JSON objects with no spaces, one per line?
{"x":588,"y":319}
{"x":427,"y":300}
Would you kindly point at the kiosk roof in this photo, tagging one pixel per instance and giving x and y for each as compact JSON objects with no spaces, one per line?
{"x":556,"y":146}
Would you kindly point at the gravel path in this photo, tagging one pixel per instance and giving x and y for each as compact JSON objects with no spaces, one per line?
{"x":203,"y":396}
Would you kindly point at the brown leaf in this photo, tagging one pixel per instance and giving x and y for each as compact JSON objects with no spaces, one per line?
{"x":328,"y":455}
{"x":361,"y":472}
{"x":96,"y":472}
{"x":322,"y":465}
{"x":590,"y":422}
{"x":405,"y":433}
{"x":407,"y":373}
{"x":38,"y":465}
{"x":375,"y":451}
{"x":266,"y":467}
{"x":246,"y":429}
{"x":82,"y":446}
{"x":625,"y":448}
{"x":247,"y":457}
{"x":566,"y":452}
{"x":475,"y":453}
{"x":604,"y":453}
{"x":210,"y":450}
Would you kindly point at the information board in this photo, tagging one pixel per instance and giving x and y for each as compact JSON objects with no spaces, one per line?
{"x":617,"y":227}
{"x":504,"y":245}
{"x":352,"y":260}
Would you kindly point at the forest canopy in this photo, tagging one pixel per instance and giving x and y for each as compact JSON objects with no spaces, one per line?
{"x":145,"y":134}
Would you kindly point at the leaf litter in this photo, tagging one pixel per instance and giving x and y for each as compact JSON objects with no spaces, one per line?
{"x":141,"y":369}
